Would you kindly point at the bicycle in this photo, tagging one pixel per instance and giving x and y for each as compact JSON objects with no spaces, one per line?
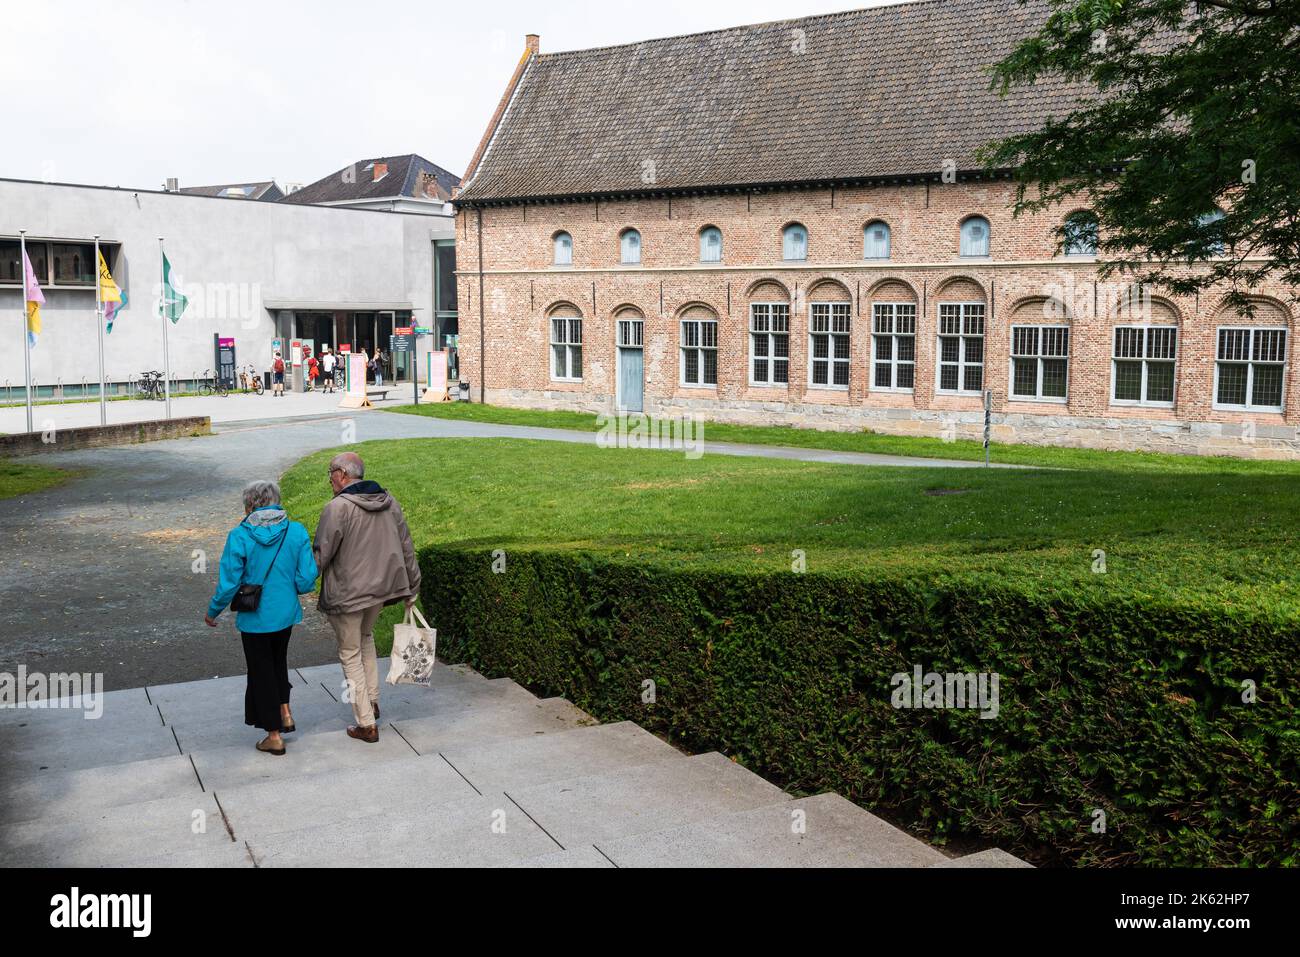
{"x":213,"y":385}
{"x":250,"y":381}
{"x":150,"y":385}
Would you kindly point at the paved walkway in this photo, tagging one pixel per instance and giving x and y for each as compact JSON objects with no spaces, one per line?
{"x":96,"y":576}
{"x":473,"y":772}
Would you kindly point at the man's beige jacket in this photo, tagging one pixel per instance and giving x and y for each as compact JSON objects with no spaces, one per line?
{"x":364,"y":552}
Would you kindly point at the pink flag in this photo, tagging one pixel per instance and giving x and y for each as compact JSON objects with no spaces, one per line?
{"x":34,"y":298}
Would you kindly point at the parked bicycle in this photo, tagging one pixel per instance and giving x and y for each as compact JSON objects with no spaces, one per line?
{"x":150,"y":385}
{"x":213,"y":385}
{"x":250,"y":381}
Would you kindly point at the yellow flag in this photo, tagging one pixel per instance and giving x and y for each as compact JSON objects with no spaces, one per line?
{"x":33,"y":321}
{"x":108,"y":291}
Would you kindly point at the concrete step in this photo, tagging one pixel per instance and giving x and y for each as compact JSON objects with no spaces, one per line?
{"x":71,"y":746}
{"x":822,"y":831}
{"x":62,"y":793}
{"x":258,"y":811}
{"x":107,"y":837}
{"x":332,"y":674}
{"x":476,"y":724}
{"x":481,"y":831}
{"x":518,"y":763}
{"x":993,"y":857}
{"x":576,"y":857}
{"x":601,"y":808}
{"x":110,"y":704}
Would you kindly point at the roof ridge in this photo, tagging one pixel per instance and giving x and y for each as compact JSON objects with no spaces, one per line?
{"x":559,"y":54}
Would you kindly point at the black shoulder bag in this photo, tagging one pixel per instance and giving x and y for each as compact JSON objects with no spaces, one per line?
{"x":250,"y":596}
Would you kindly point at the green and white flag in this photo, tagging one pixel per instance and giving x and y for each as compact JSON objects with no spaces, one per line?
{"x":173,"y":303}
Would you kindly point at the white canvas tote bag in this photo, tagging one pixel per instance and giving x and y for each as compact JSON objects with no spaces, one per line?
{"x":413,"y":647}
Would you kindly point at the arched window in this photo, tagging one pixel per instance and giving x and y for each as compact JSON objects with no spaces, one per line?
{"x":629,"y":244}
{"x":975,"y":236}
{"x":794,"y":242}
{"x":563,"y":249}
{"x":1080,"y":234}
{"x":566,"y":344}
{"x":710,"y":244}
{"x":875,"y":240}
{"x":1210,"y":226}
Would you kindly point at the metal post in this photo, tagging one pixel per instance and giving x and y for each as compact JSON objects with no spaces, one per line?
{"x":988,"y":420}
{"x":27,"y":341}
{"x":99,"y":329}
{"x":167,"y":373}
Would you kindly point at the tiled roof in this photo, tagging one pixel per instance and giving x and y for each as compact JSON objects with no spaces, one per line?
{"x":402,"y":181}
{"x":889,"y":91}
{"x":267,"y":190}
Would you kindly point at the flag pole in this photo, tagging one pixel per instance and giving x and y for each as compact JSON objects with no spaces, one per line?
{"x":27,"y":339}
{"x":167,"y":371}
{"x":99,"y":325}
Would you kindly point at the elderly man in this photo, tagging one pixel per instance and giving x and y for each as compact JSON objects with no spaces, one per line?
{"x":367,"y":561}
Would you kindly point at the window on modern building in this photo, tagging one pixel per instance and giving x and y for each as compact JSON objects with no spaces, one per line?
{"x":1040,"y":362}
{"x":769,"y":337}
{"x":828,"y":345}
{"x":629,"y":245}
{"x":961,"y":347}
{"x":699,"y":352}
{"x":893,"y":345}
{"x":711,"y":245}
{"x":1080,"y":234}
{"x":1142,"y":371}
{"x":875,"y":240}
{"x":566,"y":348}
{"x":563,"y":249}
{"x":1249,"y":369}
{"x":975,"y":236}
{"x":794,"y":243}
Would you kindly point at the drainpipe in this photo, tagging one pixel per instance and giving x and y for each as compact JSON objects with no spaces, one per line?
{"x":482,"y":338}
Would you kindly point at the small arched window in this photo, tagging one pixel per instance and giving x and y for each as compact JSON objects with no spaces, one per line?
{"x":875,"y":240}
{"x":710,"y":244}
{"x":794,"y":242}
{"x":975,"y":236}
{"x":1080,"y":234}
{"x":1209,"y":225}
{"x":629,"y":245}
{"x":563,"y":249}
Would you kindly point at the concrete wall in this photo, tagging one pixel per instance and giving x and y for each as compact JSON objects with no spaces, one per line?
{"x":228,"y":256}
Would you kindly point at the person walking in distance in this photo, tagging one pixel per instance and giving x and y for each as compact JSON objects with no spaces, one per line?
{"x":277,"y":375}
{"x":366,"y":559}
{"x":327,"y":361}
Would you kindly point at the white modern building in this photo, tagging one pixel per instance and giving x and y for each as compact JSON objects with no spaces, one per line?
{"x":255,"y":272}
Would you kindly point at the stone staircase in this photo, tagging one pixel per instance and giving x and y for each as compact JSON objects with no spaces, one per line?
{"x":476,"y":772}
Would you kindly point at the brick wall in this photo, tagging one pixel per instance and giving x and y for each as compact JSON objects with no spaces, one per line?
{"x":1023,"y":280}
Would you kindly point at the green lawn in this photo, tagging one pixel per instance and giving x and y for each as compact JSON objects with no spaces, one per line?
{"x":916,"y":446}
{"x":22,"y":479}
{"x":1220,"y":538}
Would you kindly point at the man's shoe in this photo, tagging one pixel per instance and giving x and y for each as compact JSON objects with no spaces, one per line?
{"x":370,"y":734}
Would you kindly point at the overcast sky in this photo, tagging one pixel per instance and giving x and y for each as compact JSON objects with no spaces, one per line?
{"x":130,"y":92}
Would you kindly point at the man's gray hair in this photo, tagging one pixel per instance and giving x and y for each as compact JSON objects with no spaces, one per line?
{"x":350,"y":464}
{"x":260,"y":494}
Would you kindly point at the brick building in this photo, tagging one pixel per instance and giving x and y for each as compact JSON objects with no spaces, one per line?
{"x":788,"y":224}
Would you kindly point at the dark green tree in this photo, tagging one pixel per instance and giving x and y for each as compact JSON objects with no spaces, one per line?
{"x":1184,"y":140}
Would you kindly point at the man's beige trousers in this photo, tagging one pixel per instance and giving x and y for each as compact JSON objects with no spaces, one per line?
{"x":355,"y":632}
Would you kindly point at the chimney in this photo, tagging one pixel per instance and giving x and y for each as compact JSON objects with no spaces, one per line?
{"x":173,"y":185}
{"x":533,"y":42}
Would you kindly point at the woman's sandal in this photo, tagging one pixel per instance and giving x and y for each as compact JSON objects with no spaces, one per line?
{"x":267,"y":750}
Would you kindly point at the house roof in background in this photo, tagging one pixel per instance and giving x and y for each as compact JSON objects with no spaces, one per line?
{"x":266,"y":191}
{"x":356,"y":182}
{"x":889,"y":91}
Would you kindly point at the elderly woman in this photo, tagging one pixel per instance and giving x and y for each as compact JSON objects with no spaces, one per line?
{"x":267,"y":550}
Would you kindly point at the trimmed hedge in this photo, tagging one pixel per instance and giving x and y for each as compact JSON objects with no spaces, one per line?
{"x":1124,"y":706}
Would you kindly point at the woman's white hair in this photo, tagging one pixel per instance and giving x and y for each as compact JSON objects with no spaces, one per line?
{"x":260,"y":494}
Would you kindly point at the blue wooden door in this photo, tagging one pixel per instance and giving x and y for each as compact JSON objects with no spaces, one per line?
{"x":631,"y":385}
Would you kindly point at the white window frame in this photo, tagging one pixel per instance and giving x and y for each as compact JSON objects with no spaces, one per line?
{"x":623,"y":244}
{"x":629,"y":331}
{"x":770,"y":358}
{"x":838,"y":324}
{"x":1250,"y":363}
{"x":1040,"y":357}
{"x":890,"y":310}
{"x":962,"y":363}
{"x":988,"y":238}
{"x":572,"y":347}
{"x":703,"y":232}
{"x":889,"y":239}
{"x":555,"y":249}
{"x":700,"y":338}
{"x":785,"y":232}
{"x":1145,"y":360}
